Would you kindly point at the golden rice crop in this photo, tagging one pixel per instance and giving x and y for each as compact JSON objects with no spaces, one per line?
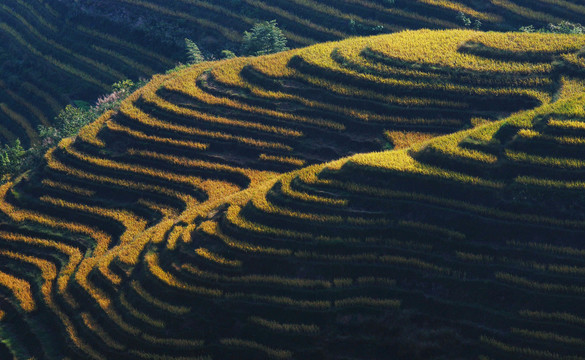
{"x":69,"y":188}
{"x":57,"y":165}
{"x":548,"y":336}
{"x":173,"y":309}
{"x":277,"y":326}
{"x":134,"y":113}
{"x":273,"y":353}
{"x":170,"y":280}
{"x":47,"y":268}
{"x":50,"y":59}
{"x":211,"y":228}
{"x":152,"y":98}
{"x":400,"y":161}
{"x":20,"y":120}
{"x":132,"y":310}
{"x":442,"y":49}
{"x":538,"y":285}
{"x":102,"y":67}
{"x":186,"y":84}
{"x":125,"y":44}
{"x":20,"y":289}
{"x":38,"y":17}
{"x":267,"y":279}
{"x":553,"y":316}
{"x":526,"y":12}
{"x":524,"y":351}
{"x":92,"y":325}
{"x":192,"y":248}
{"x":456,"y":6}
{"x":229,"y":34}
{"x":33,"y":109}
{"x":211,"y":256}
{"x":366,"y":301}
{"x":48,"y":98}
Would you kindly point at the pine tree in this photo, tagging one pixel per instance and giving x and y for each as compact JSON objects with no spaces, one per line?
{"x":193,"y":52}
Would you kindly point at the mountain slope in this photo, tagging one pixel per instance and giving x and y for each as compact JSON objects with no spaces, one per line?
{"x":52,"y":56}
{"x":206,"y":219}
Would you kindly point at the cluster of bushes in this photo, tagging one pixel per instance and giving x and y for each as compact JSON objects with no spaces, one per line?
{"x":357,"y":28}
{"x":264,"y":38}
{"x":564,"y":27}
{"x":468,"y":22}
{"x":14,"y":159}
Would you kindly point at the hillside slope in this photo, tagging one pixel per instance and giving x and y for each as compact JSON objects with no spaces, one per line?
{"x":206,"y":219}
{"x":475,"y":236}
{"x":55,"y":52}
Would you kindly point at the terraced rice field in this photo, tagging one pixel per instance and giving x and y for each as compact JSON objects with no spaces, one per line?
{"x":49,"y":59}
{"x":224,"y":211}
{"x":52,"y":57}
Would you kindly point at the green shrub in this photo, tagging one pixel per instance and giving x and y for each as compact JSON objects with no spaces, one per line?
{"x":564,"y":27}
{"x":464,"y":19}
{"x":361,"y":29}
{"x":72,"y":118}
{"x":227,"y":54}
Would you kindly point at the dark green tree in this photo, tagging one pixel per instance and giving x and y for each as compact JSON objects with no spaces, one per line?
{"x":12,"y":158}
{"x":264,"y":38}
{"x":193,"y":53}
